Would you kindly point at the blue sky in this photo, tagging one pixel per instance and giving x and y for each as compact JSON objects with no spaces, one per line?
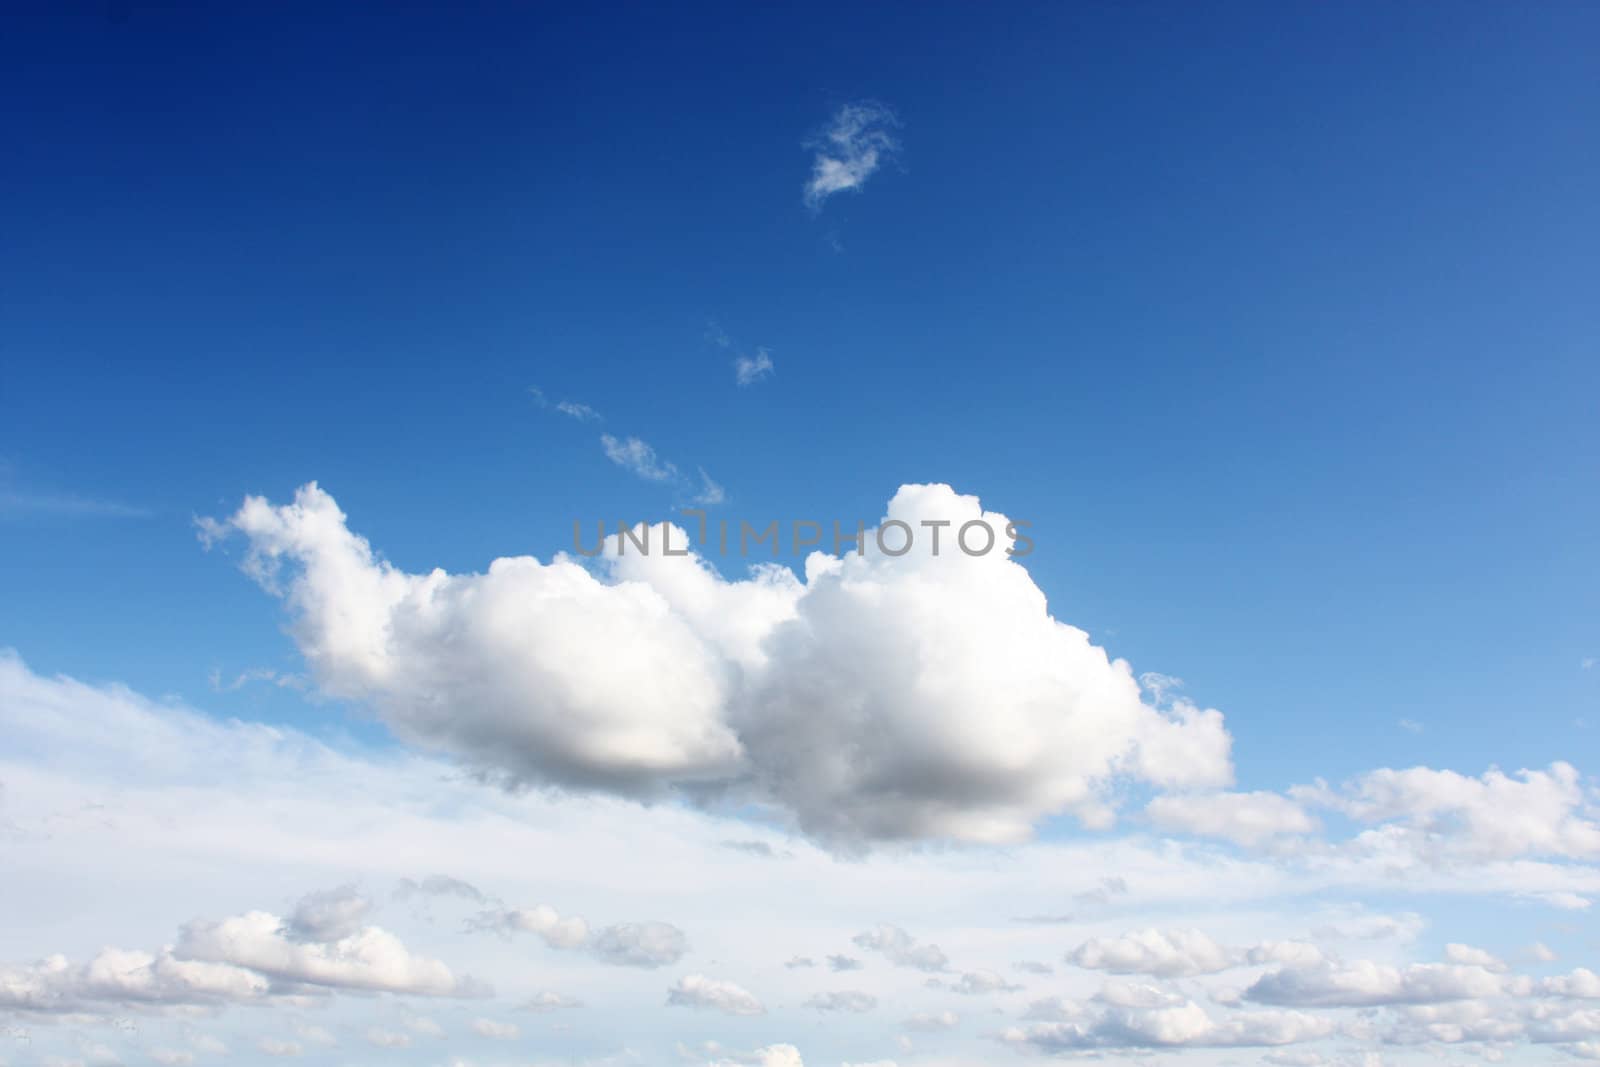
{"x":1278,"y":323}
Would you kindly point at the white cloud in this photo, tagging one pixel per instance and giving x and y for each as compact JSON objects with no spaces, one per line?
{"x":369,"y":959}
{"x":748,"y":370}
{"x":698,"y":991}
{"x":901,"y":949}
{"x":1167,"y":1021}
{"x":850,"y":150}
{"x":971,"y":712}
{"x":540,"y":920}
{"x":932,"y":1022}
{"x":1467,"y":955}
{"x":329,"y":915}
{"x":125,"y":977}
{"x":646,"y":944}
{"x":581,"y":412}
{"x":1160,"y":953}
{"x":635,"y":455}
{"x":710,"y":493}
{"x":1364,"y":983}
{"x":1495,"y":816}
{"x":1580,"y":984}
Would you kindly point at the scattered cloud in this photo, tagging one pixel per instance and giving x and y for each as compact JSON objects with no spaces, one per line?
{"x":748,"y":370}
{"x":852,"y":147}
{"x":849,"y":1001}
{"x":634,"y":455}
{"x":901,"y":949}
{"x":698,"y":991}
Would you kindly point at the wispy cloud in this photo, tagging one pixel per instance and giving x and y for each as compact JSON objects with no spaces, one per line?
{"x":581,"y":412}
{"x":850,"y":150}
{"x":635,"y":455}
{"x":710,"y":492}
{"x":747,"y":370}
{"x":66,"y":505}
{"x":570,"y":408}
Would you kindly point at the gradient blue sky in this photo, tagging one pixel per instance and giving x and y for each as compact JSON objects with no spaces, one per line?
{"x":1278,"y":323}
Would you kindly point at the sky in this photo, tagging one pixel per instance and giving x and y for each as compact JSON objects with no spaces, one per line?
{"x":328,"y":335}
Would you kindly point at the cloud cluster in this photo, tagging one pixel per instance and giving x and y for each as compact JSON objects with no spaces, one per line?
{"x":1183,"y":953}
{"x":882,"y":697}
{"x":247,"y":958}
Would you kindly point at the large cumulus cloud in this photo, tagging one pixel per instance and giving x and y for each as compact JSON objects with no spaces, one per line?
{"x":880,"y":697}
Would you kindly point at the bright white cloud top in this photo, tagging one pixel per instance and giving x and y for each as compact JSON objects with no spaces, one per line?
{"x":925,"y":695}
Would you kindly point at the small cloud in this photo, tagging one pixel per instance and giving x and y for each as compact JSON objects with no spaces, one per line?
{"x":1411,"y":726}
{"x":850,"y":150}
{"x":634,"y":455}
{"x":710,"y":492}
{"x":549,"y":1000}
{"x":698,"y":991}
{"x":843,"y":963}
{"x":1587,"y":664}
{"x":797,"y":962}
{"x":747,"y":370}
{"x":852,"y":1001}
{"x":581,"y":412}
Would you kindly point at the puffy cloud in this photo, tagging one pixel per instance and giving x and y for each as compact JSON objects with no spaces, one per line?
{"x":1158,"y":1020}
{"x":901,"y":949}
{"x":698,"y":991}
{"x":846,"y":1000}
{"x":124,"y":977}
{"x":541,"y":920}
{"x":1364,"y":983}
{"x":883,"y":697}
{"x":1243,"y":818}
{"x":850,"y":150}
{"x":1161,"y":953}
{"x":931,"y":1022}
{"x":1495,"y":816}
{"x":843,"y":963}
{"x":1473,"y":957}
{"x":1580,"y":984}
{"x":370,"y":959}
{"x":646,"y":944}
